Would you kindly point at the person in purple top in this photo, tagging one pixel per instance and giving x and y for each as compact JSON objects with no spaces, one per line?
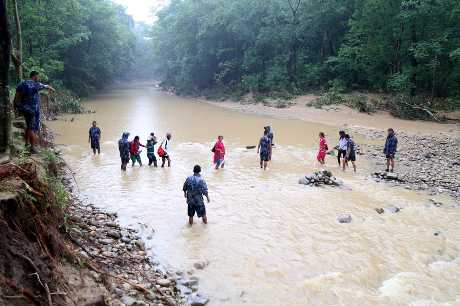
{"x":27,"y":102}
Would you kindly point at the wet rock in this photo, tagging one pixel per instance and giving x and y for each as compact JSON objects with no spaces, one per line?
{"x":140,"y":244}
{"x":393,"y":209}
{"x":105,"y":241}
{"x":200,"y":265}
{"x":344,"y":218}
{"x":323,"y":177}
{"x":163,"y":282}
{"x":128,"y":301}
{"x":126,"y":240}
{"x":113,"y":234}
{"x":189,"y":282}
{"x":197,"y":300}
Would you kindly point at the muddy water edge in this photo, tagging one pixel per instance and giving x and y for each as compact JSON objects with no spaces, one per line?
{"x":269,"y":241}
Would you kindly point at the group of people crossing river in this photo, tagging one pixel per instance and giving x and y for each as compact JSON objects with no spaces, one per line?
{"x":195,"y":187}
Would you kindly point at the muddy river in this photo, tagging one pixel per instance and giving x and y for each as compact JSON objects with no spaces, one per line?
{"x":269,"y":241}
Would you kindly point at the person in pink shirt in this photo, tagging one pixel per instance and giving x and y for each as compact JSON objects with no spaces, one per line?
{"x":322,"y":148}
{"x":219,"y":153}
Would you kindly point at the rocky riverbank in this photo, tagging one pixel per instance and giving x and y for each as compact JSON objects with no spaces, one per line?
{"x":423,"y":162}
{"x":119,"y":255}
{"x":59,"y":250}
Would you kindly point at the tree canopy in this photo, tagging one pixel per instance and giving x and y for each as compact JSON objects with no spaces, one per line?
{"x":408,"y":46}
{"x":80,"y":44}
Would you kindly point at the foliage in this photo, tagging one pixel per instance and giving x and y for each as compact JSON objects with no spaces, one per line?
{"x":82,"y":45}
{"x":329,"y":98}
{"x":48,"y":156}
{"x":263,"y":46}
{"x":61,"y":196}
{"x":360,"y":103}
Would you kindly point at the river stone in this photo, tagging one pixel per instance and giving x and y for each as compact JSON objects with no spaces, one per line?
{"x":128,"y":301}
{"x":200,"y":265}
{"x":113,"y":234}
{"x":197,"y":300}
{"x":105,"y":241}
{"x":140,"y":244}
{"x":393,"y":209}
{"x":164,"y":282}
{"x":344,"y":218}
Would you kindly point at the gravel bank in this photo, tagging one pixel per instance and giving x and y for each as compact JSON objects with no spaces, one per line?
{"x":430,"y":163}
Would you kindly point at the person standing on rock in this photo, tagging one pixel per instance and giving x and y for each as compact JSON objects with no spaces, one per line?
{"x":342,"y":150}
{"x":219,"y":153}
{"x":391,"y":145}
{"x":94,"y":138}
{"x":264,"y":149}
{"x":151,"y":142}
{"x":323,"y":148}
{"x":163,"y":151}
{"x":194,"y":189}
{"x":27,"y":102}
{"x":123,"y":147}
{"x":351,"y":152}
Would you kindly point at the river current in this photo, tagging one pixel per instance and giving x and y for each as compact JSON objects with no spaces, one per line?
{"x":269,"y":241}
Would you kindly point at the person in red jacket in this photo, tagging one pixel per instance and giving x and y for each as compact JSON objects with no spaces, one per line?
{"x":134,"y":151}
{"x":219,"y":153}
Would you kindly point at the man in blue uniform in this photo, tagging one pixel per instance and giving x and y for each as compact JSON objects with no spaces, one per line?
{"x":194,"y":190}
{"x":27,"y":102}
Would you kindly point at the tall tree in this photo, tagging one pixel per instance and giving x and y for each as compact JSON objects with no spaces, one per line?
{"x":17,"y":54}
{"x":5,"y":54}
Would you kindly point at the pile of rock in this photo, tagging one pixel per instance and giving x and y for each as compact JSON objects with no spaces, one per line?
{"x":117,"y":257}
{"x":389,"y":176}
{"x":323,"y":177}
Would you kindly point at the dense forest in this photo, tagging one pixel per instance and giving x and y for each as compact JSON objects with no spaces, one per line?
{"x":80,"y":45}
{"x":260,"y":46}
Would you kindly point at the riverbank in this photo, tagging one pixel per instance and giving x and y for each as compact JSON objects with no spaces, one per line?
{"x":58,"y":250}
{"x":427,"y":156}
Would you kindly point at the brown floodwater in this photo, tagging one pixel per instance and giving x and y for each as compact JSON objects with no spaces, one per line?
{"x":269,"y":241}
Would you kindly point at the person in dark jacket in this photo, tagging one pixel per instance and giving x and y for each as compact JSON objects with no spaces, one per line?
{"x":123,"y":147}
{"x":94,"y":138}
{"x":391,"y":145}
{"x":194,"y":189}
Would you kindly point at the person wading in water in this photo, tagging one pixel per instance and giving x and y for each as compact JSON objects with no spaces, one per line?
{"x":219,"y":153}
{"x":27,"y":102}
{"x":163,"y":151}
{"x":194,"y":189}
{"x":135,"y":152}
{"x":264,"y":149}
{"x":151,"y":142}
{"x":94,"y":138}
{"x":342,"y":150}
{"x":123,"y":147}
{"x":321,"y":156}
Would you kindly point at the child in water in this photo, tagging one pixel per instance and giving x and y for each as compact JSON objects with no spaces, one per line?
{"x":134,"y":151}
{"x":322,"y":148}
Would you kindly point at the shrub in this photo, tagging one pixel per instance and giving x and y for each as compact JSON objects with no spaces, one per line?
{"x":360,"y":103}
{"x":330,"y":98}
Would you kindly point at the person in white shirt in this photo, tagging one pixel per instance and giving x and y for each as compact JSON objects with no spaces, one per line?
{"x":342,"y":149}
{"x":163,"y":151}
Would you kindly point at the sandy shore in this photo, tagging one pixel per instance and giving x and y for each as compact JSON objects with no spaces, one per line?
{"x":340,"y":116}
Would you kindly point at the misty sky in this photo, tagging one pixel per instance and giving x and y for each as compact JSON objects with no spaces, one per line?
{"x":141,"y":10}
